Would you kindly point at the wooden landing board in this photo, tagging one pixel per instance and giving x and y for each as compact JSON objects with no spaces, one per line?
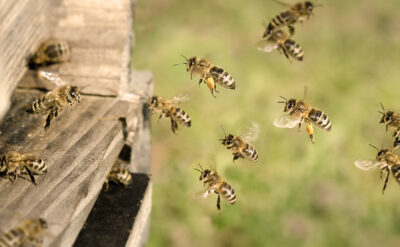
{"x":112,"y":217}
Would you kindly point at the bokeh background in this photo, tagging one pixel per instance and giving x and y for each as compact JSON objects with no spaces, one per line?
{"x":297,"y":194}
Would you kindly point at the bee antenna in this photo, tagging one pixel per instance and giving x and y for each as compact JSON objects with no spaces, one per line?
{"x":283,"y":102}
{"x":374,"y":146}
{"x":185,"y":57}
{"x":223,"y":130}
{"x":383,"y":108}
{"x":381,"y":112}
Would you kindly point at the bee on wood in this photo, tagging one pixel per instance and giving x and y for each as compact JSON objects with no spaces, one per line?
{"x":296,"y":13}
{"x":49,"y":52}
{"x":215,"y":184}
{"x":13,"y":165}
{"x":240,"y":146}
{"x":391,"y":120}
{"x":54,"y":101}
{"x":118,"y":176}
{"x":169,"y":108}
{"x":386,"y":160}
{"x":281,"y":41}
{"x":300,"y":111}
{"x":30,"y":233}
{"x":209,"y":73}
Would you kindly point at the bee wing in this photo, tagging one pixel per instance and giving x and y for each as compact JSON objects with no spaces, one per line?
{"x":266,"y":45}
{"x":367,"y":164}
{"x":50,"y":80}
{"x":252,"y":133}
{"x":282,"y":3}
{"x":287,"y":121}
{"x":179,"y":99}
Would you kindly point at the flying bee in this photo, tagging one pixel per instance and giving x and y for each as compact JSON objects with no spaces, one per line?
{"x":169,"y":108}
{"x":297,"y":13}
{"x":300,"y":111}
{"x":386,"y":160}
{"x":29,"y":233}
{"x":118,"y":176}
{"x":392,"y":121}
{"x":54,"y":101}
{"x":215,"y":184}
{"x":209,"y":73}
{"x":49,"y":52}
{"x":240,"y":145}
{"x":13,"y":165}
{"x":281,"y":41}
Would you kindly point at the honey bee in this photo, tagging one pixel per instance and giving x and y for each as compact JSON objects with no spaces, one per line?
{"x":386,"y":160}
{"x":240,"y":145}
{"x":49,"y":52}
{"x":29,"y":233}
{"x":168,"y":108}
{"x":392,"y":121}
{"x":215,"y":184}
{"x":53,"y":102}
{"x":13,"y":165}
{"x":298,"y":12}
{"x":118,"y":176}
{"x":300,"y":111}
{"x":209,"y":73}
{"x":281,"y":41}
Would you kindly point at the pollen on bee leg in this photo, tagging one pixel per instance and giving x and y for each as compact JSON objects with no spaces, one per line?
{"x":310,"y":132}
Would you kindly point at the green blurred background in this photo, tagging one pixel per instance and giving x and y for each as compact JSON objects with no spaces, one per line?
{"x":297,"y":194}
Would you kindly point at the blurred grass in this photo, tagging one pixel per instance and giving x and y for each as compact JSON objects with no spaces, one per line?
{"x":298,"y":194}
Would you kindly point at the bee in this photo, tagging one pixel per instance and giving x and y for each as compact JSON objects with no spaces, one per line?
{"x":54,"y":101}
{"x":209,"y":73}
{"x":29,"y":233}
{"x":300,"y":111}
{"x":298,"y":12}
{"x":386,"y":160}
{"x":214,"y":183}
{"x":49,"y":52}
{"x":119,"y":176}
{"x":13,"y":165}
{"x":240,"y":145}
{"x":281,"y":41}
{"x":168,"y":108}
{"x":392,"y":120}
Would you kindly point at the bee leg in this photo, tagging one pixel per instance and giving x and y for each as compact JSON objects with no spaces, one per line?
{"x":396,"y":143}
{"x":52,"y":114}
{"x":30,"y":175}
{"x":285,"y":53}
{"x":386,"y":181}
{"x":301,"y":120}
{"x":310,"y":131}
{"x":235,"y":157}
{"x":219,"y":203}
{"x":106,"y":185}
{"x":291,"y":30}
{"x":174,"y":126}
{"x":12,"y":177}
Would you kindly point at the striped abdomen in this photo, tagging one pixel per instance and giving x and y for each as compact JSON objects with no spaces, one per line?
{"x":121,"y":175}
{"x":36,"y":166}
{"x":181,"y":116}
{"x":278,"y":21}
{"x":14,"y":237}
{"x":44,"y":103}
{"x":294,"y":49}
{"x":396,"y":172}
{"x":320,"y":119}
{"x":250,"y":152}
{"x":222,"y":77}
{"x":57,"y":52}
{"x":227,"y":192}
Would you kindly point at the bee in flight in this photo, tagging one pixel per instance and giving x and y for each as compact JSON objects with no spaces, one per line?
{"x":209,"y":73}
{"x":28,"y":234}
{"x":215,"y":184}
{"x":118,"y":175}
{"x":240,"y":144}
{"x":300,"y":111}
{"x":49,"y":52}
{"x":13,"y":165}
{"x":54,"y":101}
{"x":392,"y":121}
{"x":296,"y":13}
{"x":281,"y":41}
{"x":169,"y":108}
{"x":386,"y":160}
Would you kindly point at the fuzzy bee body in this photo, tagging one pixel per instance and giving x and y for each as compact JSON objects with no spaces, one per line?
{"x":240,"y":148}
{"x":222,"y":77}
{"x":167,"y":108}
{"x":119,"y":176}
{"x":215,"y":184}
{"x":29,"y":233}
{"x":51,"y":51}
{"x":279,"y":40}
{"x":392,"y":121}
{"x":13,"y":165}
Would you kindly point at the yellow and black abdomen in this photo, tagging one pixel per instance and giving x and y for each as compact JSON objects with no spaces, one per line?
{"x":222,"y":77}
{"x":36,"y":166}
{"x":57,"y":52}
{"x":396,"y":172}
{"x":294,"y":49}
{"x":181,"y":116}
{"x":121,"y":176}
{"x":227,"y":192}
{"x":278,"y":21}
{"x":320,"y":119}
{"x":250,"y":152}
{"x":14,"y":237}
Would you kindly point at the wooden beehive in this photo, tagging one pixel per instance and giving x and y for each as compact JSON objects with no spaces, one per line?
{"x":79,"y":148}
